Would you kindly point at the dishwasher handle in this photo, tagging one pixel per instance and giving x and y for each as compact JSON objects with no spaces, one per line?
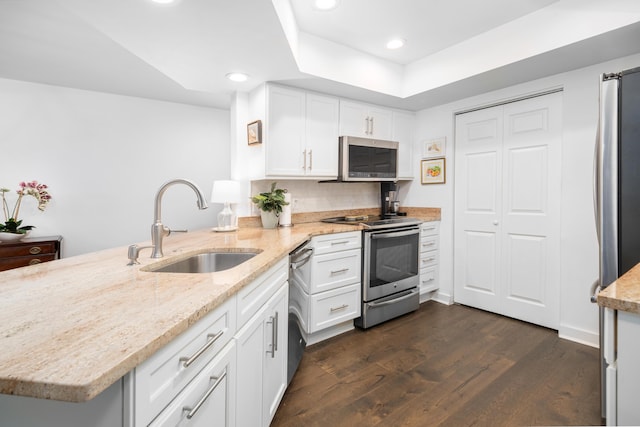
{"x":300,"y":257}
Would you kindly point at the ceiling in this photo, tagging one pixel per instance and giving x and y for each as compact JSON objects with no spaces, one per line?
{"x":181,"y":53}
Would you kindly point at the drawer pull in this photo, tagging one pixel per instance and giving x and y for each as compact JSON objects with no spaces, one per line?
{"x":342,"y":307}
{"x":192,"y":411}
{"x":429,"y":244}
{"x":35,"y":261}
{"x":35,"y":250}
{"x":187,"y":361}
{"x":429,"y":229}
{"x":430,"y":279}
{"x":343,"y":270}
{"x":341,"y":242}
{"x":428,"y":259}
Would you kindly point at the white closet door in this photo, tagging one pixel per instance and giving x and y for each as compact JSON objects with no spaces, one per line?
{"x":515,"y":270}
{"x":478,"y":202}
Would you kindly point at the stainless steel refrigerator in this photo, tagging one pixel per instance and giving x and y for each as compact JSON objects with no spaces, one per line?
{"x":617,"y":183}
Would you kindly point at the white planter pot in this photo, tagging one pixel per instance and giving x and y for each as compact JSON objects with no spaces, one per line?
{"x":12,"y":237}
{"x":269,"y":219}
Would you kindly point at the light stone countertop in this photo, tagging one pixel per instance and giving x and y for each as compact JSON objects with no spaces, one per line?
{"x":624,"y":293}
{"x":72,"y":327}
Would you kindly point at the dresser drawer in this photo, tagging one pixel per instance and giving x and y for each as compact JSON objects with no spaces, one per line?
{"x":160,"y":378}
{"x":333,"y":307}
{"x":23,"y":261}
{"x":31,"y":249}
{"x":336,"y":242}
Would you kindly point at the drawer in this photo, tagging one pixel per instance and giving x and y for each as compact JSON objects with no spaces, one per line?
{"x":160,"y":378}
{"x":336,"y":242}
{"x":28,"y":250}
{"x":429,"y":243}
{"x":334,"y":270}
{"x":429,"y":279}
{"x":218,"y":406}
{"x":253,"y":296}
{"x":430,"y":228}
{"x":427,"y":259}
{"x":333,"y":307}
{"x":22,"y":261}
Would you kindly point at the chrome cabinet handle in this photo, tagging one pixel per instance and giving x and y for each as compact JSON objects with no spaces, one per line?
{"x":304,"y":156}
{"x":341,"y":242}
{"x":35,"y":250}
{"x":274,"y":335}
{"x":342,"y":270}
{"x":371,"y":121}
{"x":342,"y":307}
{"x":310,"y":159}
{"x":187,"y":361}
{"x":192,"y":411}
{"x":428,"y":259}
{"x":429,"y":244}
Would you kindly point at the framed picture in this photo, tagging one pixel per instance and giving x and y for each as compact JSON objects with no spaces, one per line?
{"x":254,"y":132}
{"x":433,"y":171}
{"x":434,"y":148}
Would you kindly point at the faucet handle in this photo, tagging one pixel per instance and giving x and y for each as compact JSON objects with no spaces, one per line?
{"x":177,"y":231}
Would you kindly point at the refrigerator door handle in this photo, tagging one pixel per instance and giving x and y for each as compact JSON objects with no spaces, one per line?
{"x":595,"y":290}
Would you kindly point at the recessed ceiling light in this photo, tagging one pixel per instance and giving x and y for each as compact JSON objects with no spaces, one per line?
{"x":395,"y":43}
{"x":325,"y":4}
{"x":237,"y":77}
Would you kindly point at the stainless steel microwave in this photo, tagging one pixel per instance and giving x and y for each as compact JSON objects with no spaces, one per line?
{"x":366,"y":159}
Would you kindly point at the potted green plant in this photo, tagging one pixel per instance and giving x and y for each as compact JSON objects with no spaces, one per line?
{"x":12,"y":228}
{"x":270,"y":204}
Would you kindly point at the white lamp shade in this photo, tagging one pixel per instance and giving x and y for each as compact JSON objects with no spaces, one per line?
{"x":225,"y":192}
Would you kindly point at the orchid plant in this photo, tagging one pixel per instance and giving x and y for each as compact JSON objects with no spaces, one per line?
{"x":11,"y":222}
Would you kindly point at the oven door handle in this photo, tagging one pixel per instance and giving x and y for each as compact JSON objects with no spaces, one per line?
{"x":393,"y":234}
{"x":407,"y":295}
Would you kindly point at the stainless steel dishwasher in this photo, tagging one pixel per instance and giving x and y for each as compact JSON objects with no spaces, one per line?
{"x":300,"y":256}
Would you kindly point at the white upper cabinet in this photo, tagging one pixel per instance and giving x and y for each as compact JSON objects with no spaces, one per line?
{"x":300,"y":134}
{"x":366,"y":121}
{"x":403,"y":126}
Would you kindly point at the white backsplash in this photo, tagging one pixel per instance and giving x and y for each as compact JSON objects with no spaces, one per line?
{"x":313,"y":196}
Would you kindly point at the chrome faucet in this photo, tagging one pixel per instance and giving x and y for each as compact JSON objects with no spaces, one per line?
{"x":158,"y":230}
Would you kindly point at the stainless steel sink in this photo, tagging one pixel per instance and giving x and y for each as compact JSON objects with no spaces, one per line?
{"x":208,"y":262}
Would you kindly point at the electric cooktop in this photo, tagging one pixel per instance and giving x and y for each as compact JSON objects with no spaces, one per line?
{"x":375,"y":221}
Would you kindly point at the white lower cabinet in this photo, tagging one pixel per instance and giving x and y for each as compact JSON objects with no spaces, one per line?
{"x":429,"y":258}
{"x":262,"y":362}
{"x":326,"y":288}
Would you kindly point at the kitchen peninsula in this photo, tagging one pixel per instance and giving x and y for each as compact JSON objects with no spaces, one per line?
{"x":73,"y":328}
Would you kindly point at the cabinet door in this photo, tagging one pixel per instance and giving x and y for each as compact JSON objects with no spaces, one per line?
{"x":353,"y":119}
{"x":381,"y":123}
{"x":285,"y":127}
{"x":275,"y":353}
{"x":322,"y":136}
{"x":403,"y":133}
{"x":262,"y":362}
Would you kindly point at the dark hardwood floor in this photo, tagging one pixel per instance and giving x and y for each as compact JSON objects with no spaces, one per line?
{"x":445,"y":365}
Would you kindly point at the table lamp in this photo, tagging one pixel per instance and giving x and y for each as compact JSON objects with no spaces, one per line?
{"x":226,"y":192}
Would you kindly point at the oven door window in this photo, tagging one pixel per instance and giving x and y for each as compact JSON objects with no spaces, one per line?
{"x":393,"y":258}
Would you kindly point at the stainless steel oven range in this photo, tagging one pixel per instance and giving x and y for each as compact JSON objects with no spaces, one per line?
{"x":390,"y":267}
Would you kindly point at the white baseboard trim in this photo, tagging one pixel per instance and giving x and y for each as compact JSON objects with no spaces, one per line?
{"x":578,"y":335}
{"x":443,"y":298}
{"x":330,"y":332}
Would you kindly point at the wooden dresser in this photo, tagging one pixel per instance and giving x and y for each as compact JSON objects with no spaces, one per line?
{"x":29,"y":251}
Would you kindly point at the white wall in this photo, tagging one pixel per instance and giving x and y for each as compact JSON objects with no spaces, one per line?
{"x":578,"y":317}
{"x":104,"y":157}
